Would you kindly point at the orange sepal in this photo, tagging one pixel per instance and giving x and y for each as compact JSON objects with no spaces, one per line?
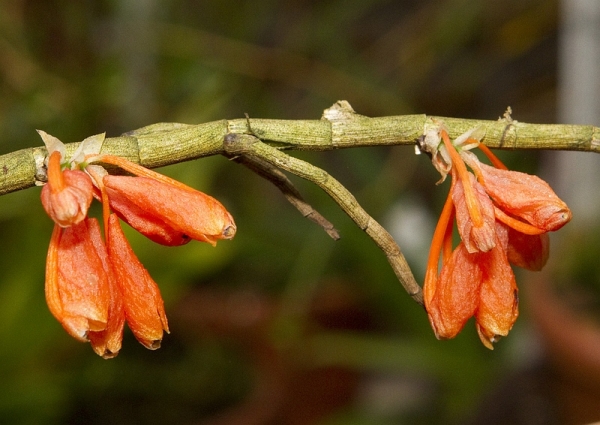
{"x":157,"y":206}
{"x":107,"y":343}
{"x":150,"y":226}
{"x":525,"y":196}
{"x":77,"y":290}
{"x":499,"y":300}
{"x":143,"y":304}
{"x":456,"y":294}
{"x":528,"y":251}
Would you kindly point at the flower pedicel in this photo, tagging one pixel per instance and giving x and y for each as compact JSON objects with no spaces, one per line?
{"x":94,"y":286}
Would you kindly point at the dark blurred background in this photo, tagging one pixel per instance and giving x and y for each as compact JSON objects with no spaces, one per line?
{"x":282,"y":325}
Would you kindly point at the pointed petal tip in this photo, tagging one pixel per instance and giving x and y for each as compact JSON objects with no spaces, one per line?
{"x":487,"y":339}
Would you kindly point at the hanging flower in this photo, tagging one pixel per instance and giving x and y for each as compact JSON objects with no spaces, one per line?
{"x":502,"y":218}
{"x":143,"y":304}
{"x":163,"y":209}
{"x":93,"y":285}
{"x":77,"y":288}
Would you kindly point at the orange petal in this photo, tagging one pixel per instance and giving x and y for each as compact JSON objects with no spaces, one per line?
{"x":525,"y":196}
{"x":150,"y":226}
{"x":528,"y":251}
{"x":144,"y":308}
{"x":69,"y":204}
{"x":457,"y":293}
{"x":516,"y":224}
{"x":499,"y":300}
{"x":438,"y":244}
{"x":188,"y":212}
{"x":77,"y":290}
{"x":51,"y":287}
{"x":107,"y":343}
{"x":476,"y":238}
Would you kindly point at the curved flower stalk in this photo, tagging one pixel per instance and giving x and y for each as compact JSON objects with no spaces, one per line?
{"x":502,"y":218}
{"x":94,"y":286}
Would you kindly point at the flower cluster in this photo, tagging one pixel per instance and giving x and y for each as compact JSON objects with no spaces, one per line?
{"x":94,"y":284}
{"x":502,"y":218}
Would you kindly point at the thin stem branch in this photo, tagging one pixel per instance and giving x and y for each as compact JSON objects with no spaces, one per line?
{"x":289,"y":191}
{"x":250,"y":146}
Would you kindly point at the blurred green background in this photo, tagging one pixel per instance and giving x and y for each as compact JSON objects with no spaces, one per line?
{"x":281,"y":325}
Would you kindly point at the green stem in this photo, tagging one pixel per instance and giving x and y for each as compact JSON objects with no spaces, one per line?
{"x":169,"y":143}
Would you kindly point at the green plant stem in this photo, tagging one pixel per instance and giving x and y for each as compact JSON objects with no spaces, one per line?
{"x":169,"y":143}
{"x":259,"y":145}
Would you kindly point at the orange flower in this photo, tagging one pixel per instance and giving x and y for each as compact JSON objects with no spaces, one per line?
{"x":502,"y":217}
{"x":107,"y":342}
{"x":166,"y":213}
{"x":477,"y":233}
{"x":523,"y":196}
{"x":163,"y":209}
{"x":77,"y":282}
{"x":92,"y":288}
{"x":142,"y":301}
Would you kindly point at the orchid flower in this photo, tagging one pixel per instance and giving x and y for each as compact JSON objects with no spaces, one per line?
{"x":502,"y":218}
{"x":94,"y":286}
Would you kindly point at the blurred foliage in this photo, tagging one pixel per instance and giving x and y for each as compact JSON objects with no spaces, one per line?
{"x":281,"y":325}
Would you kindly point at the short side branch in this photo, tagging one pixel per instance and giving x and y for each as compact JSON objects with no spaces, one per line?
{"x":253,"y":147}
{"x":289,"y":191}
